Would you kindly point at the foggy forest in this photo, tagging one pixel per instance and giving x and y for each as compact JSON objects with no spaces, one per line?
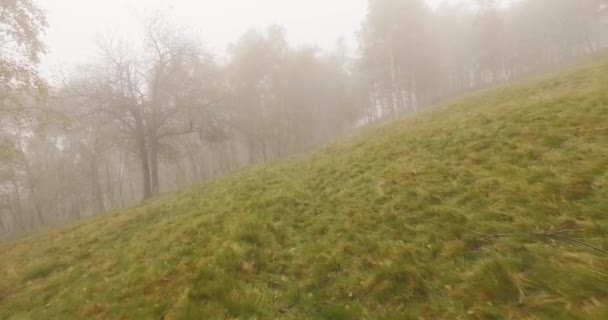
{"x":163,"y":113}
{"x":318,"y":159}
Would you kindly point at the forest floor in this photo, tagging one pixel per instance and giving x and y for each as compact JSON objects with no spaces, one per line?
{"x":492,"y":206}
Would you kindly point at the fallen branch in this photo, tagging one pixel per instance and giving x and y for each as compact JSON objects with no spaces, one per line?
{"x":596,"y":210}
{"x":555,"y":233}
{"x":573,"y":240}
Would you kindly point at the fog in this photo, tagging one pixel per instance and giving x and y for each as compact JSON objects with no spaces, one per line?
{"x":106,"y":103}
{"x":216,"y":23}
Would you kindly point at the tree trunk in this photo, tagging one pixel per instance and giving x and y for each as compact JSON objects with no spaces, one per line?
{"x":33,"y":193}
{"x":121,"y":179}
{"x":110,"y":186}
{"x":142,"y":148}
{"x":18,"y":209}
{"x":95,"y":187}
{"x":154,"y":164}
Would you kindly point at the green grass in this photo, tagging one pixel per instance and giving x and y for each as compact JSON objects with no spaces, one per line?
{"x":441,"y":215}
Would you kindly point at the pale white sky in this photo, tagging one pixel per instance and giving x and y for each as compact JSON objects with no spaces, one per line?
{"x":75,"y":24}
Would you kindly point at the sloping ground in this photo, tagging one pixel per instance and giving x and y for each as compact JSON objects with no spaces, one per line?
{"x":490,"y":207}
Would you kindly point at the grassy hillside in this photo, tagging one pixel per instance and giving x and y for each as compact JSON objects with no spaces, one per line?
{"x":489,"y":207}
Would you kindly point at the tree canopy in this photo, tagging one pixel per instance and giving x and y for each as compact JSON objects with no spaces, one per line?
{"x":22,"y":25}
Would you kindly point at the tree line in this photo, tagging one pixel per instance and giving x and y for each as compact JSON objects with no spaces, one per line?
{"x":156,"y":115}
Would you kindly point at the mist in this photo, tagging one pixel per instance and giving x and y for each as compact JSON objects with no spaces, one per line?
{"x":137,"y":113}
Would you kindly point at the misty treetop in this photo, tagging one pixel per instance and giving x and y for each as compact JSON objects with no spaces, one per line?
{"x":21,"y":26}
{"x":412,"y":56}
{"x":163,"y":113}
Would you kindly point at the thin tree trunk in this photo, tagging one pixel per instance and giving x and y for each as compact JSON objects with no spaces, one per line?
{"x":18,"y":211}
{"x":154,"y":164}
{"x":110,"y":186}
{"x":95,"y":187}
{"x":36,"y":201}
{"x":140,"y":137}
{"x":121,"y":179}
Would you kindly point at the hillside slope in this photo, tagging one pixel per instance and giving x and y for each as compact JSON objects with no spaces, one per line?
{"x":489,"y":207}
